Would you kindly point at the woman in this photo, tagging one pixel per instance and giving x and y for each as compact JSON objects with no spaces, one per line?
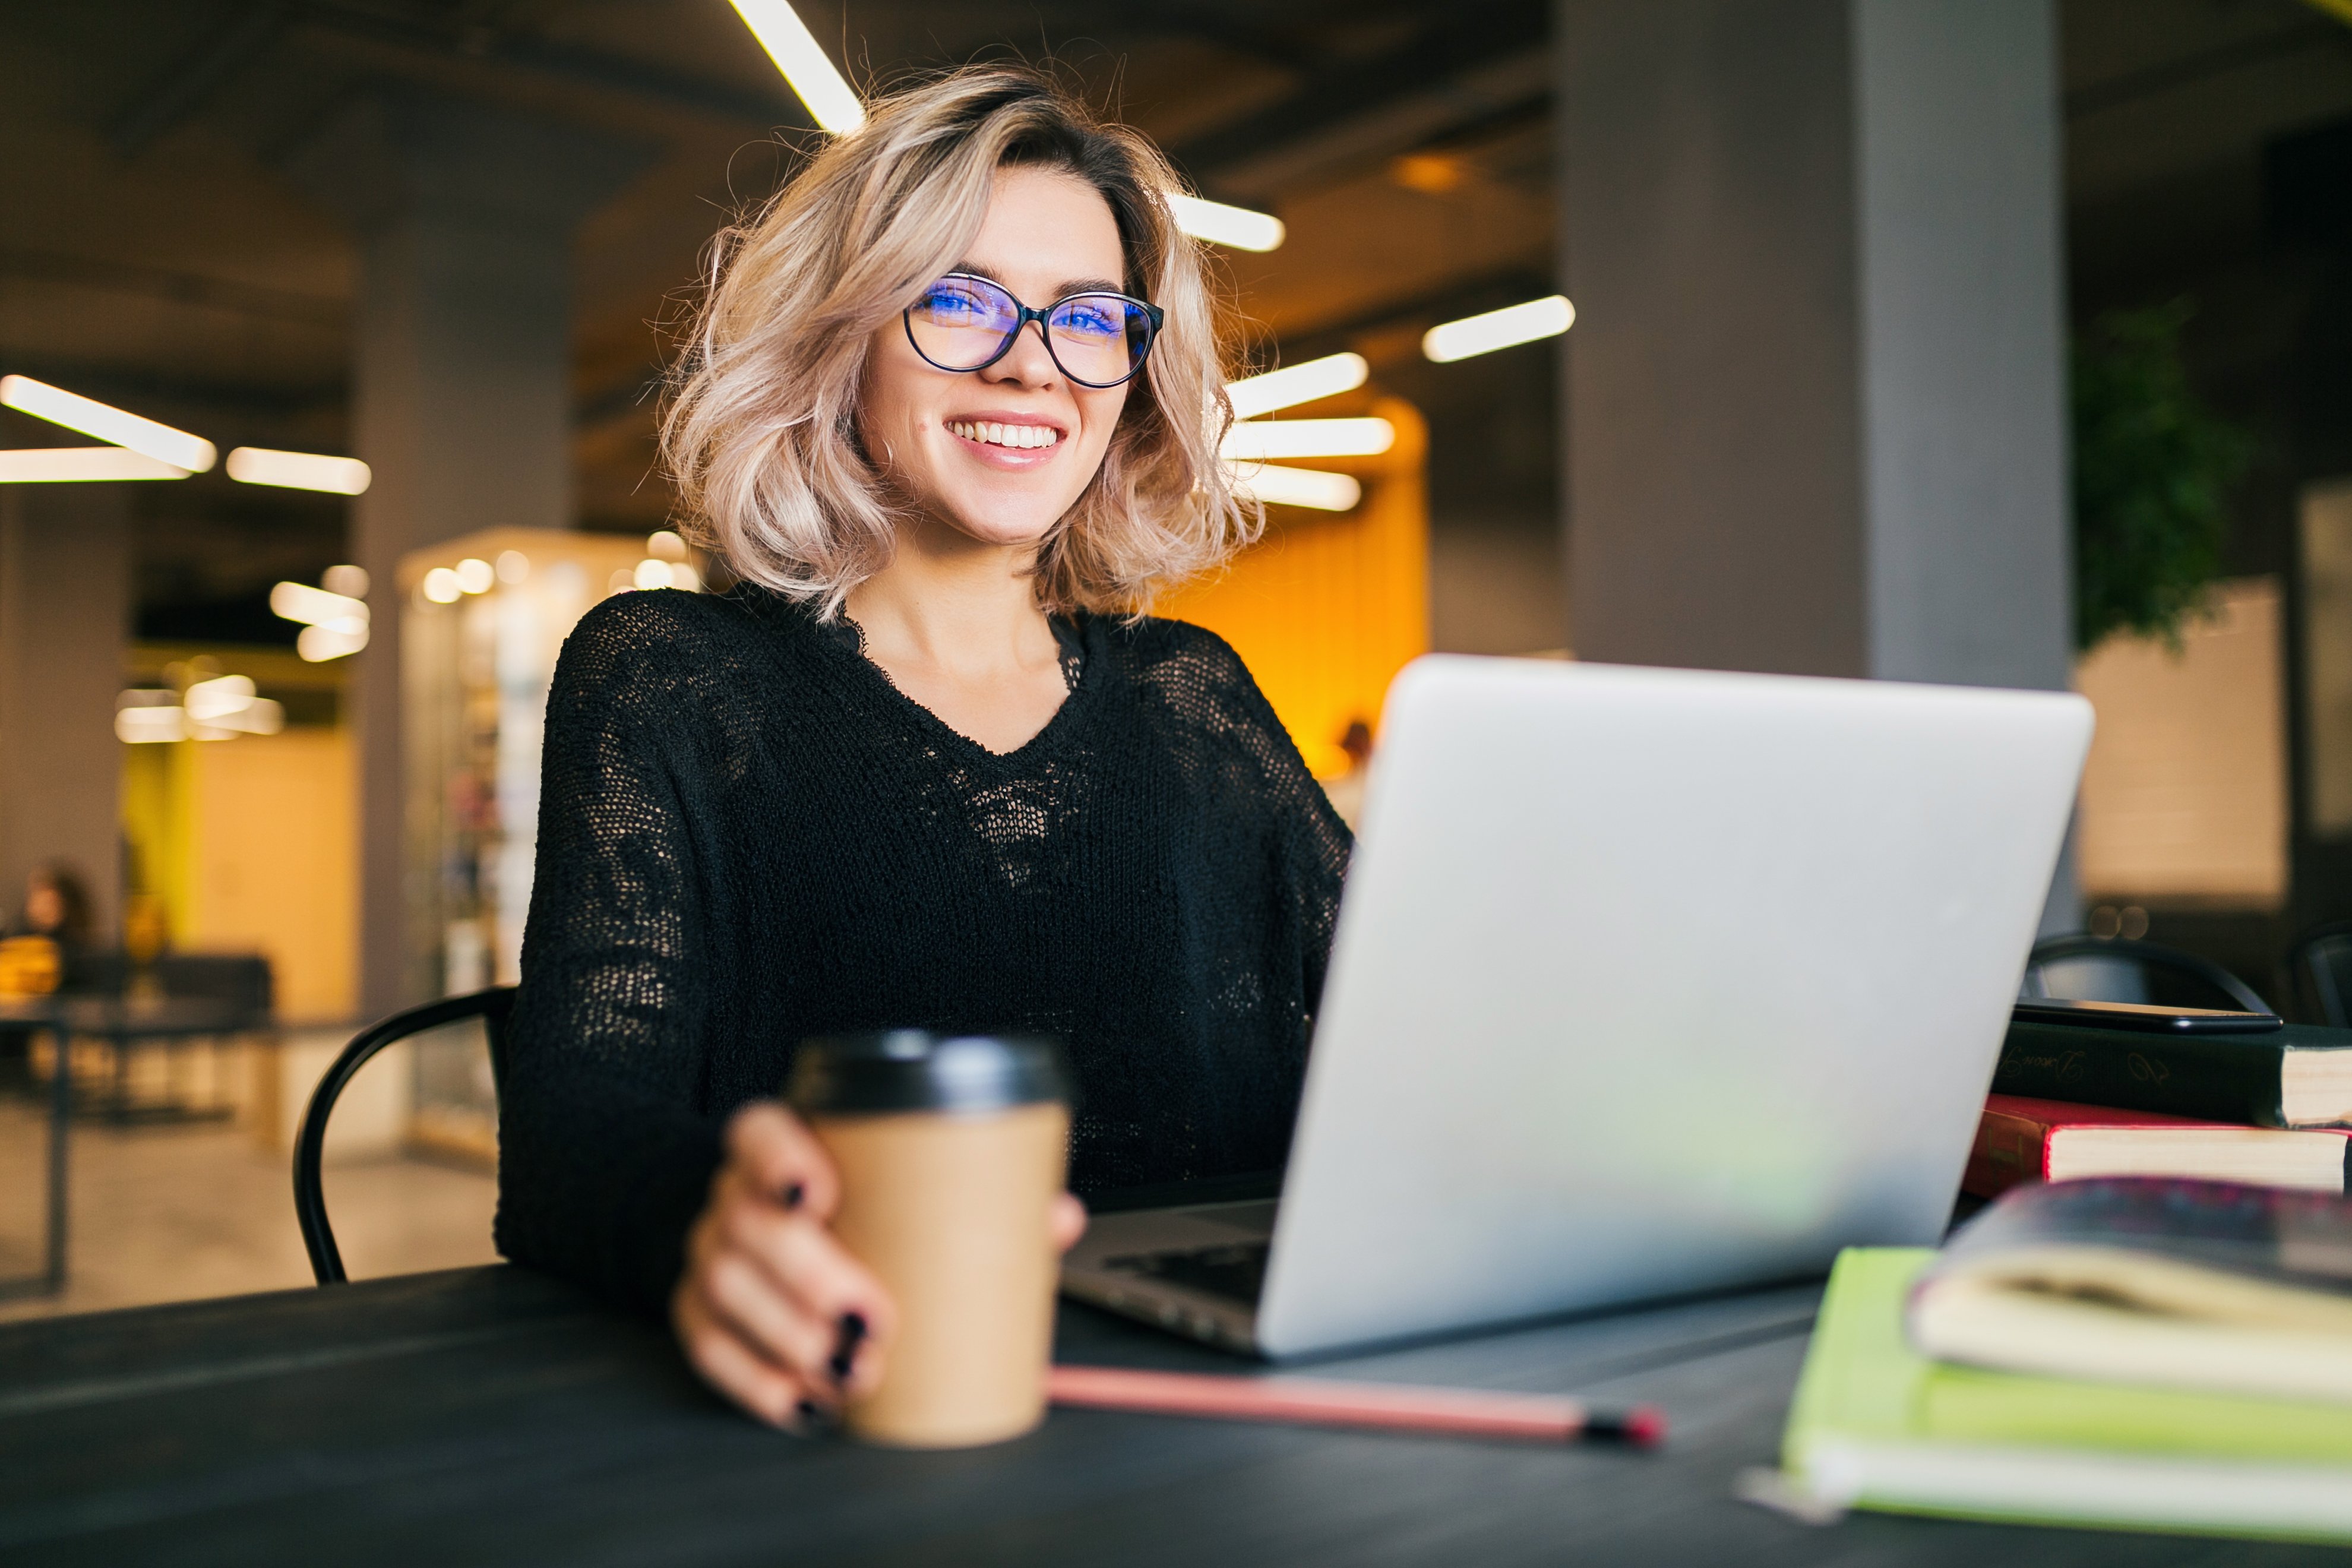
{"x":927,"y":766}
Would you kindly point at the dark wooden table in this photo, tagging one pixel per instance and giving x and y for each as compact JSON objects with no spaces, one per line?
{"x":489,"y":1416}
{"x":124,"y":1022}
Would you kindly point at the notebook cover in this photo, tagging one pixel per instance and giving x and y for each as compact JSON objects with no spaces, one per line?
{"x":2275,"y":1235}
{"x":1876,"y":1425}
{"x":2014,"y":1132}
{"x":2209,"y":1078}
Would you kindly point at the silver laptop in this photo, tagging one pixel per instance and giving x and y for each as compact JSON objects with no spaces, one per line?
{"x":1646,"y":983}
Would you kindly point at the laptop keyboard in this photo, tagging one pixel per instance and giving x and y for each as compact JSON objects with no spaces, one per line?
{"x":1235,"y":1271}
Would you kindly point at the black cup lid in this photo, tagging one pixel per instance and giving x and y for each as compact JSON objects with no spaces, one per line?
{"x":914,"y":1070}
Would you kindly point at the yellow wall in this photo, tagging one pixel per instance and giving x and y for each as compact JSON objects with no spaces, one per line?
{"x":253,"y":846}
{"x":1329,"y":607}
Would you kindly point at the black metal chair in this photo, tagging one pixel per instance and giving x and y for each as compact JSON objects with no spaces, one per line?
{"x":2151,"y":970}
{"x":2319,"y":973}
{"x":492,"y":1006}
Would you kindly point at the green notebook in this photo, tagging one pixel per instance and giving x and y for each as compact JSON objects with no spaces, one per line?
{"x":1877,"y":1425}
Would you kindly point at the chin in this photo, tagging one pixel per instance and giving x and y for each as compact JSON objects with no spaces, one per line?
{"x":1007,"y":526}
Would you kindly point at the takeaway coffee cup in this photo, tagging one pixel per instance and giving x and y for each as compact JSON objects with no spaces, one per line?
{"x":950,"y":1151}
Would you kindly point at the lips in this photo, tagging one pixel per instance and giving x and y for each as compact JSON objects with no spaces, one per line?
{"x":996,"y":433}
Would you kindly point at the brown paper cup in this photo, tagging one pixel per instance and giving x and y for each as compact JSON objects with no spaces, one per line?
{"x":951,"y":1154}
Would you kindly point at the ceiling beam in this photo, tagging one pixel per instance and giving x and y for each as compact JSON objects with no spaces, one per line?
{"x":1478,"y":50}
{"x":2132,"y":87}
{"x":113,"y":277}
{"x":616,"y":75}
{"x":183,"y":85}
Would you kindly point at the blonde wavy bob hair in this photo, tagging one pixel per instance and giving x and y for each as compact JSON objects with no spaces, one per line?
{"x":761,"y":431}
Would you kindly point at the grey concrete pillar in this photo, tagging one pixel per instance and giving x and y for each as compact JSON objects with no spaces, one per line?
{"x":65,"y":615}
{"x":461,"y":394}
{"x":1815,"y":416}
{"x":1815,"y":389}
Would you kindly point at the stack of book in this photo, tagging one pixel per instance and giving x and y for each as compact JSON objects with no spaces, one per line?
{"x":2151,"y":1326}
{"x":2128,"y":1352}
{"x":2091,"y":1091}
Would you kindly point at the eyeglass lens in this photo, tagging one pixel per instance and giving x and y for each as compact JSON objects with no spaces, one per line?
{"x":962,"y":323}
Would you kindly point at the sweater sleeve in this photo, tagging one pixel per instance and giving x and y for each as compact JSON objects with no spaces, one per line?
{"x":604,"y":1155}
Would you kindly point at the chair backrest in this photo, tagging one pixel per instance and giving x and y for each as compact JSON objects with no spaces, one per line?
{"x":237,"y":980}
{"x":240,"y":980}
{"x":2087,"y":968}
{"x":492,"y":1006}
{"x":2319,"y":969}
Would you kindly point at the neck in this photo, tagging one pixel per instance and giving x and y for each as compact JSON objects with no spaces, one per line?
{"x":953,"y":602}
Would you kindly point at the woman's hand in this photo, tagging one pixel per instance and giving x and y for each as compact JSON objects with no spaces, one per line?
{"x":771,"y":1310}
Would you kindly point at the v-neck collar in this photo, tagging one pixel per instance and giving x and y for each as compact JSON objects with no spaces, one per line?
{"x":844,"y":643}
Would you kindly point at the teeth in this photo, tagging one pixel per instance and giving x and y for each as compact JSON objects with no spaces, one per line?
{"x":996,"y":434}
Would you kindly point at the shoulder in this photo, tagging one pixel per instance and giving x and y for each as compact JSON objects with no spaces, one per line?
{"x":1194,"y":675}
{"x":658,"y":651}
{"x":1156,"y":648}
{"x":648,"y":633}
{"x":647,"y":619}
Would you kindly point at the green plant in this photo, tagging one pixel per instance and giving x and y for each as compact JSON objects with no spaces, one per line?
{"x":2153,"y":468}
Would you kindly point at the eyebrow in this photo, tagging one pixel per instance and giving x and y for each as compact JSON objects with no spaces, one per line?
{"x":1069,"y":287}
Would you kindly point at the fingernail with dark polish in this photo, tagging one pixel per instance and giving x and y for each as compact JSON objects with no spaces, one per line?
{"x":845,"y":1353}
{"x":814,"y":1417}
{"x":793,"y":1196}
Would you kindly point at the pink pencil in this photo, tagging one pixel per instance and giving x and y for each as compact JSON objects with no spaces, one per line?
{"x":1388,"y":1407}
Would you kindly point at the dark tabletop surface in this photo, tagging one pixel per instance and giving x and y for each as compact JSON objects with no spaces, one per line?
{"x":491,"y":1416}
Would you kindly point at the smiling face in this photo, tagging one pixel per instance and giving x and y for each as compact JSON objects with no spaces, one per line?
{"x":998,"y":455}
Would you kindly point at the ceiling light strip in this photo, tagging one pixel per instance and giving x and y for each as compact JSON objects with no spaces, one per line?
{"x":1513,"y":324}
{"x":107,"y":423}
{"x":1325,"y":377}
{"x":830,"y":101}
{"x":80,"y":465}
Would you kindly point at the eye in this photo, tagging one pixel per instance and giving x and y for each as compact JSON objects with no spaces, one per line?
{"x":1091,"y":319}
{"x":953,"y":300}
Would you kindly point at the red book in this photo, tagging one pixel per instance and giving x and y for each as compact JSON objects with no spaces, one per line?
{"x":2022,"y":1139}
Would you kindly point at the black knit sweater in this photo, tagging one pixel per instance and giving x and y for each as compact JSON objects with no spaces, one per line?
{"x":748,"y":836}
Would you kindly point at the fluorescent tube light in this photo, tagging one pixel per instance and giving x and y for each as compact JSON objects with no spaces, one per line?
{"x":1545,"y":318}
{"x":261,"y":716}
{"x":314,"y":606}
{"x":1222,"y":225}
{"x":1259,"y":440}
{"x":298,"y":471}
{"x":210,"y":701}
{"x":226,"y":706}
{"x":106,"y":422}
{"x":330,"y":639}
{"x":1325,"y":377}
{"x":830,"y":101}
{"x":1299,"y":486}
{"x":147,"y":725}
{"x":80,"y":465}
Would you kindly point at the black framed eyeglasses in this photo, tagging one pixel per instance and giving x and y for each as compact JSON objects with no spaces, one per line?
{"x":965,"y":323}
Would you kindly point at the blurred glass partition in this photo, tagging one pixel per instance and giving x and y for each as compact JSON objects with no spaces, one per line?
{"x":482,"y":619}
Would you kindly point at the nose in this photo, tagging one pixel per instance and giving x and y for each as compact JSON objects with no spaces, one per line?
{"x":1027,"y":362}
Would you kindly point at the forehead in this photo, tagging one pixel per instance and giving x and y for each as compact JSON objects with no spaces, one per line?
{"x":1047,"y":232}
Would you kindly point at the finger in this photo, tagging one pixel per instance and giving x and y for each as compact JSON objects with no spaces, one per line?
{"x":837,"y":1290}
{"x":739,"y":1288}
{"x":825,"y":1288}
{"x":781,"y":1158}
{"x":738,"y":1371}
{"x":1067,"y":1222}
